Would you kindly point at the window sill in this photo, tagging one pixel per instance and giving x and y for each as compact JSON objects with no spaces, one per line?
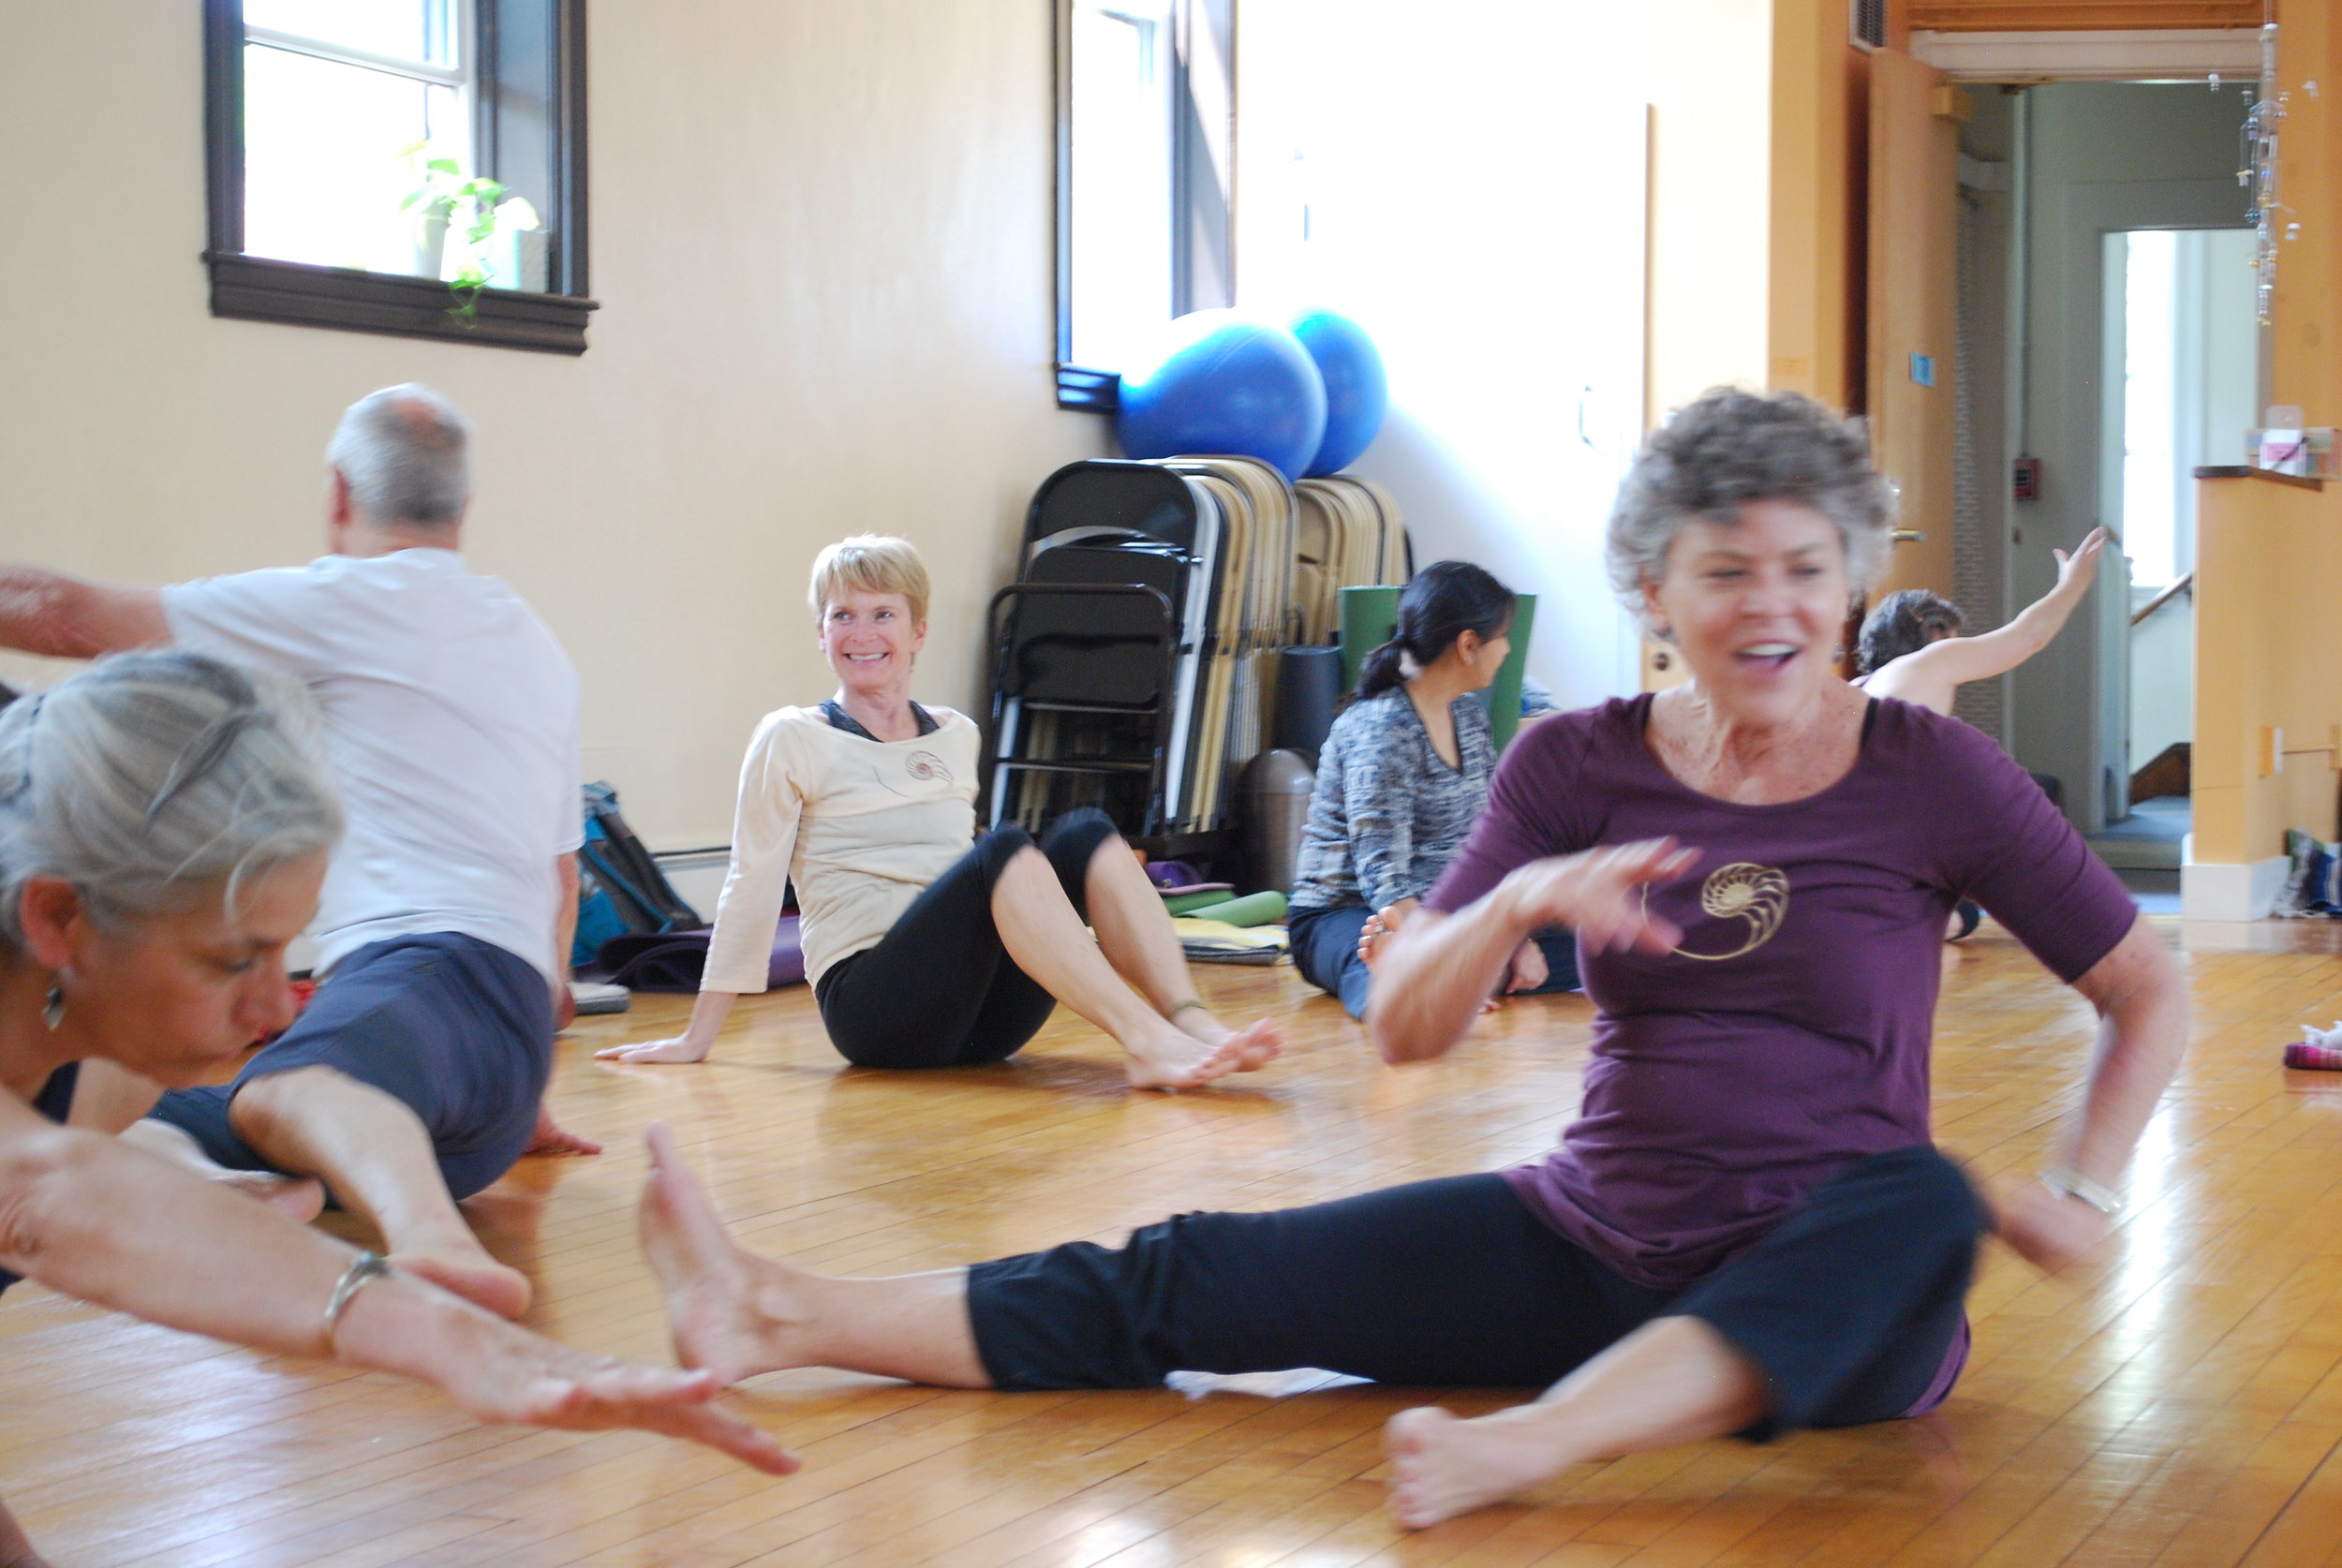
{"x":257,"y":288}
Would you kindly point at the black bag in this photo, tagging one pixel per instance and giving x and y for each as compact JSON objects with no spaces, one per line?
{"x":616,"y":859}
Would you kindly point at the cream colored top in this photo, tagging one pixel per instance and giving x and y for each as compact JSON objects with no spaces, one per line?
{"x":861,"y":827}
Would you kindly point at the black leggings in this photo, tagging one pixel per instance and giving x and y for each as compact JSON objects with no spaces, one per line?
{"x":1849,"y":1308}
{"x":940,"y":990}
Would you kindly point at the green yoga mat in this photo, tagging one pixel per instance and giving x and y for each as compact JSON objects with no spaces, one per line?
{"x":1369,"y":615}
{"x":1254,"y":909}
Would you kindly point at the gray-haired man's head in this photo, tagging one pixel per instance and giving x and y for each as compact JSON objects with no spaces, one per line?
{"x":404,"y":455}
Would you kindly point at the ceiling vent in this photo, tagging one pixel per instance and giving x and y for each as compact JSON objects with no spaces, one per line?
{"x":1866,"y":22}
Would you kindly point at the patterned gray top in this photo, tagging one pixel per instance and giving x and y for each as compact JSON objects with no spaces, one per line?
{"x":1388,"y":813}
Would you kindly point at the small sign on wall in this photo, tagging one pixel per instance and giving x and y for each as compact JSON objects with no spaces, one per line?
{"x":1923,"y":369}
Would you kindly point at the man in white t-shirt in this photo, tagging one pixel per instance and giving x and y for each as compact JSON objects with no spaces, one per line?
{"x":417,"y":1074}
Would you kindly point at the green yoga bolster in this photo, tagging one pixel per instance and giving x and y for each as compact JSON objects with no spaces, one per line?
{"x":1257,"y":908}
{"x":1188,"y":903}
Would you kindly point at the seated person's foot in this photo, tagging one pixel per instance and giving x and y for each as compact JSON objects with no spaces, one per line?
{"x":1445,"y":1465}
{"x":16,"y":1548}
{"x":301,"y":1198}
{"x":1194,"y":1048}
{"x":463,"y":1267}
{"x":552,"y":1138}
{"x":712,"y":1287}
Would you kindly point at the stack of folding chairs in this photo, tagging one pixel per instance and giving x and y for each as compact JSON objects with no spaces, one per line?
{"x":1134,"y":660}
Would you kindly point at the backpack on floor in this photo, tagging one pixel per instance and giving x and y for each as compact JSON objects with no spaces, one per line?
{"x":623,"y":876}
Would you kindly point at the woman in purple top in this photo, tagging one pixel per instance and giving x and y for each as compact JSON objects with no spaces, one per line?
{"x":1747,"y":1228}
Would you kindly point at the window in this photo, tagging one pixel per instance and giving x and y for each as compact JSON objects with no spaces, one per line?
{"x":1145,"y":172}
{"x":414,"y":166}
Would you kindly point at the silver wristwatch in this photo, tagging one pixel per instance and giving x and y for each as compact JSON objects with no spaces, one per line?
{"x":2066,"y":1182}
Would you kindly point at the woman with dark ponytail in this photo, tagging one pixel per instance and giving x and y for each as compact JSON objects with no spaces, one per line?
{"x":1400,"y":780}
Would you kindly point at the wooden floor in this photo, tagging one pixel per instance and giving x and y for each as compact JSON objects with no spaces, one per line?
{"x":2176,"y":1400}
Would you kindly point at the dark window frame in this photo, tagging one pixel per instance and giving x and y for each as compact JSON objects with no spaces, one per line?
{"x":263,"y":288}
{"x":1203,"y":211}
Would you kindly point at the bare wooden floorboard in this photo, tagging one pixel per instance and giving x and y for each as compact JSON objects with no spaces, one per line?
{"x":2176,"y":1400}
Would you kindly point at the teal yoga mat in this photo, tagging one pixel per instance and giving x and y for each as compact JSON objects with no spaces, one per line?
{"x":1369,"y":615}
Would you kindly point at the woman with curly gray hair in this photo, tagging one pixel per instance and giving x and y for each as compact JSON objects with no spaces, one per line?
{"x":163,"y":833}
{"x":1746,"y":1228}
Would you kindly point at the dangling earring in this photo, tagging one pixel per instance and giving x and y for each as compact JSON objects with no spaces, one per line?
{"x":53,"y":1010}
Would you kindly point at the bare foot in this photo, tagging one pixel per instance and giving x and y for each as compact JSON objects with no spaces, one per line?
{"x":469,"y":1271}
{"x":301,"y":1198}
{"x":1183,"y":1058}
{"x":16,"y":1547}
{"x":715,"y":1308}
{"x":1448,"y":1466}
{"x":552,"y":1138}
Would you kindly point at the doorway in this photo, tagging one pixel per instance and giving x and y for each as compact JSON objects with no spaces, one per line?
{"x":2056,"y":179}
{"x":2181,"y":348}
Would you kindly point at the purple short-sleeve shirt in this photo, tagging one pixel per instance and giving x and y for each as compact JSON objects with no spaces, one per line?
{"x":1789,"y":1034}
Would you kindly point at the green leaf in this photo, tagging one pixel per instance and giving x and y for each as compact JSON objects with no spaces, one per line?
{"x":444,"y":166}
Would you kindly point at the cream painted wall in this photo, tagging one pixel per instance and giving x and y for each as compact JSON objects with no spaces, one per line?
{"x":822,"y":240}
{"x":1708,"y":73}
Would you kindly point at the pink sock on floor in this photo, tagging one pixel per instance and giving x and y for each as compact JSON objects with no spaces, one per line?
{"x":2310,"y":1055}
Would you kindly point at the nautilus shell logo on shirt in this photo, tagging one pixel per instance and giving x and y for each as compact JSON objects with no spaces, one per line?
{"x":1745,"y":902}
{"x":914,"y":775}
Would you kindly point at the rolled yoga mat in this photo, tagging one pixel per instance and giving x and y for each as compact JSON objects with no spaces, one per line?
{"x":1369,"y":615}
{"x":1308,"y":693}
{"x":1254,"y":909}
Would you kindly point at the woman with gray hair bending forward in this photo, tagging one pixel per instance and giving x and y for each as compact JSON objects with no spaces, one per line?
{"x":163,"y":833}
{"x":1747,"y":1228}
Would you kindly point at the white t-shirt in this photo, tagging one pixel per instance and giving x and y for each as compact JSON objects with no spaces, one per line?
{"x":450,"y":727}
{"x":862,"y":826}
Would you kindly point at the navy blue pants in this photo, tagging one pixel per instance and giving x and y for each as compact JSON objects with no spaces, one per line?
{"x":1849,"y":1308}
{"x":939,"y":990}
{"x":1324,"y":945}
{"x":456,"y":1029}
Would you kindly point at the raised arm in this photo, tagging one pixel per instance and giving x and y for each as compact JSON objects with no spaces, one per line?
{"x":2142,"y":1033}
{"x":98,"y":1220}
{"x":1942,"y":667}
{"x":48,"y":613}
{"x":1432,"y":974}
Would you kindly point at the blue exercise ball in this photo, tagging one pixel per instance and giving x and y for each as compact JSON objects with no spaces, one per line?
{"x":1358,"y":393}
{"x":1226,"y":383}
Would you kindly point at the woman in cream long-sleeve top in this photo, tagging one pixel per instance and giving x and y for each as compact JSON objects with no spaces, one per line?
{"x":923,"y":951}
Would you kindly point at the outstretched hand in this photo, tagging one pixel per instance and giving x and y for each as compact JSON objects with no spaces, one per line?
{"x":681,"y":1049}
{"x":1599,"y":895}
{"x":533,"y":1382}
{"x":2077,"y":570}
{"x":2048,"y":1229}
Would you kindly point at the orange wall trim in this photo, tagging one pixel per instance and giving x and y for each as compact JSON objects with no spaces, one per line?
{"x":2051,"y":16}
{"x":2267,"y":552}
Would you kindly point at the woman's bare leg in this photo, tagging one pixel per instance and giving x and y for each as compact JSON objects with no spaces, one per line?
{"x":1135,"y":936}
{"x":376,"y":1156}
{"x":1047,"y":941}
{"x":737,"y":1314}
{"x":1674,"y":1380}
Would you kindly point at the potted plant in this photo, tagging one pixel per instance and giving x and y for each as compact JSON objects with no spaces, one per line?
{"x":460,"y":218}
